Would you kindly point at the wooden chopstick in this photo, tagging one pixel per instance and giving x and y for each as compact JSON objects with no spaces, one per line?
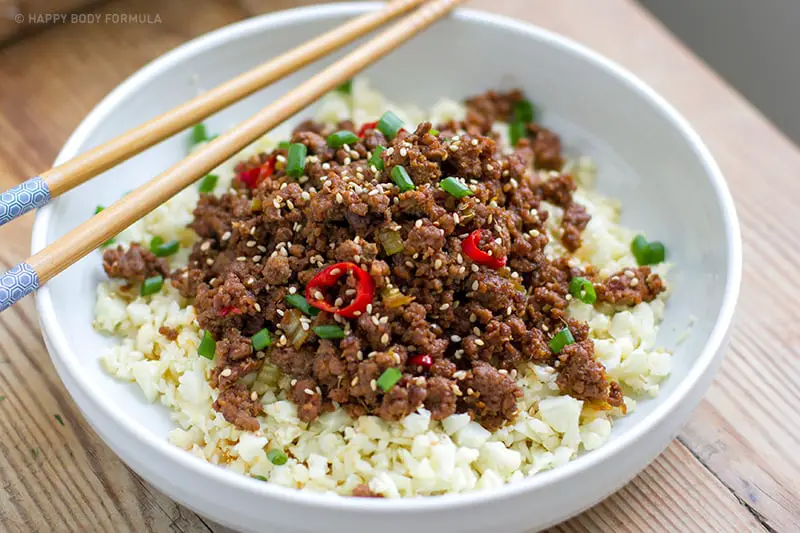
{"x":38,"y":191}
{"x":44,"y":265}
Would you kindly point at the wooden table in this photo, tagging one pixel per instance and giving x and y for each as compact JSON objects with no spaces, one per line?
{"x":735,"y":466}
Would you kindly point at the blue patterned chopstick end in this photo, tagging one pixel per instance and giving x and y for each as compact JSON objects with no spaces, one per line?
{"x":17,"y":283}
{"x":17,"y":201}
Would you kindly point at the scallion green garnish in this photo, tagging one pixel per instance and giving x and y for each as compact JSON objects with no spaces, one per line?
{"x":346,"y":87}
{"x":561,"y":339}
{"x":329,"y":332}
{"x":522,"y":111}
{"x":284,"y":145}
{"x":151,"y":285}
{"x":296,"y":160}
{"x":517,"y":131}
{"x":299,"y":301}
{"x":375,"y":159}
{"x":98,"y":209}
{"x":401,"y":178}
{"x":60,"y":420}
{"x":208,"y":346}
{"x":208,"y":183}
{"x":455,"y":187}
{"x":198,"y":134}
{"x":260,"y":478}
{"x":389,"y":379}
{"x":340,"y":138}
{"x":108,"y":243}
{"x":434,"y":132}
{"x":390,"y":124}
{"x":277,"y":457}
{"x":261,"y":340}
{"x":164,"y":249}
{"x":647,"y":253}
{"x":583,"y":290}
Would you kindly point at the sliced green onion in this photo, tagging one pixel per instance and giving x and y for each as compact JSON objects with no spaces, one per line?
{"x":391,"y":240}
{"x":516,"y":131}
{"x":401,"y":178}
{"x":198,"y":134}
{"x":434,"y":132}
{"x":108,"y":243}
{"x":60,"y":420}
{"x":277,"y":457}
{"x":522,"y":111}
{"x":299,"y":301}
{"x":346,"y":87}
{"x":296,"y":160}
{"x":561,"y":339}
{"x":648,"y":253}
{"x":260,"y":478}
{"x":340,"y":138}
{"x":389,"y":379}
{"x":329,"y":332}
{"x":152,"y":285}
{"x":208,"y":183}
{"x":376,"y":160}
{"x":583,"y":290}
{"x":284,"y":145}
{"x":208,"y":346}
{"x":455,"y":187}
{"x":98,"y":209}
{"x":390,"y":124}
{"x":164,"y":249}
{"x":261,"y":340}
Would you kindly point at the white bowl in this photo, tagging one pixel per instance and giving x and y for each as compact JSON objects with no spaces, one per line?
{"x":648,"y":156}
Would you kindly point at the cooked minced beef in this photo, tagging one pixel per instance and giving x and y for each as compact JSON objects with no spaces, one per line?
{"x":452,"y":330}
{"x":134,"y":264}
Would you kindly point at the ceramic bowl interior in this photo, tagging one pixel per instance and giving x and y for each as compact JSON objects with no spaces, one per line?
{"x":646,"y":155}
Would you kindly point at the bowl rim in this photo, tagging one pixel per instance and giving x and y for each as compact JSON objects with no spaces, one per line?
{"x":711,"y":351}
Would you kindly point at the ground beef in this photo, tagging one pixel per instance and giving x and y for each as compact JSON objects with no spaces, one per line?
{"x":363,"y":491}
{"x":630,"y":286}
{"x":170,"y":333}
{"x":134,"y":264}
{"x":476,"y":325}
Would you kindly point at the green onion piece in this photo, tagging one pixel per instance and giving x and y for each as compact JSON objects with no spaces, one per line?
{"x":299,"y":301}
{"x":376,"y":160}
{"x":151,"y":285}
{"x":284,"y":145}
{"x":391,"y":240}
{"x":647,"y":253}
{"x":155,"y":242}
{"x":390,"y":124}
{"x":401,"y":178}
{"x":340,"y":138}
{"x":516,"y":131}
{"x":261,"y":340}
{"x":198,"y":134}
{"x":260,"y":478}
{"x":523,"y":111}
{"x":346,"y":87}
{"x":60,"y":420}
{"x":434,"y":132}
{"x":455,"y":187}
{"x":98,"y":209}
{"x":164,"y":249}
{"x":277,"y":457}
{"x":583,"y":290}
{"x":108,"y":243}
{"x":208,"y":346}
{"x":208,"y":183}
{"x":561,"y":339}
{"x":389,"y":379}
{"x":656,"y":253}
{"x":296,"y":160}
{"x":329,"y":332}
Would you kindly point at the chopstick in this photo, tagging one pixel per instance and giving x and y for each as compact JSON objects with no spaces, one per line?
{"x":38,"y":191}
{"x":26,"y":277}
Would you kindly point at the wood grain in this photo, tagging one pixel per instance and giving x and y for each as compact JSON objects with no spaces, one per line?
{"x":734,"y":467}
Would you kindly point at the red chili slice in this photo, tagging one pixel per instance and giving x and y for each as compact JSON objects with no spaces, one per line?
{"x":229,"y":310}
{"x":366,"y":127}
{"x":470,"y":248}
{"x":424,"y":360}
{"x":365,"y":289}
{"x":256,"y":175}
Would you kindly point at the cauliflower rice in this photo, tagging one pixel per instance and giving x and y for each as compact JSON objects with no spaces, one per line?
{"x":413,"y":457}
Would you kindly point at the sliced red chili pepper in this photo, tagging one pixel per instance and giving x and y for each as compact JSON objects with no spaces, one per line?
{"x":365,"y":289}
{"x":424,"y":360}
{"x":229,"y":310}
{"x":470,"y":248}
{"x":256,"y":175}
{"x":366,"y":127}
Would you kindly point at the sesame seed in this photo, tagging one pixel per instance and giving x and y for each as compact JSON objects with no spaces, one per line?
{"x":474,"y":142}
{"x":205,"y":246}
{"x":354,"y":381}
{"x":375,"y":321}
{"x":241,"y":258}
{"x":472,"y":317}
{"x":369,"y":309}
{"x":292,"y":290}
{"x":476,"y":331}
{"x":339,"y":198}
{"x":474,"y":267}
{"x":349,"y":292}
{"x":308,"y":391}
{"x":437,"y":264}
{"x":257,"y":306}
{"x":444,"y":307}
{"x":256,"y":258}
{"x":280,"y":312}
{"x":209,"y":261}
{"x":226,"y":235}
{"x":373,"y":384}
{"x":384,"y":319}
{"x":509,"y":310}
{"x":634,"y":282}
{"x":403,"y":152}
{"x":254,"y":396}
{"x":335,"y":272}
{"x":318,"y":295}
{"x":479,"y":342}
{"x":250,"y":244}
{"x":385,"y":338}
{"x":455,"y":338}
{"x":418,"y":223}
{"x":475,"y":285}
{"x":305,"y":326}
{"x":227,"y":372}
{"x":356,"y":313}
{"x":347,"y":161}
{"x":293,"y":382}
{"x":503,"y":371}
